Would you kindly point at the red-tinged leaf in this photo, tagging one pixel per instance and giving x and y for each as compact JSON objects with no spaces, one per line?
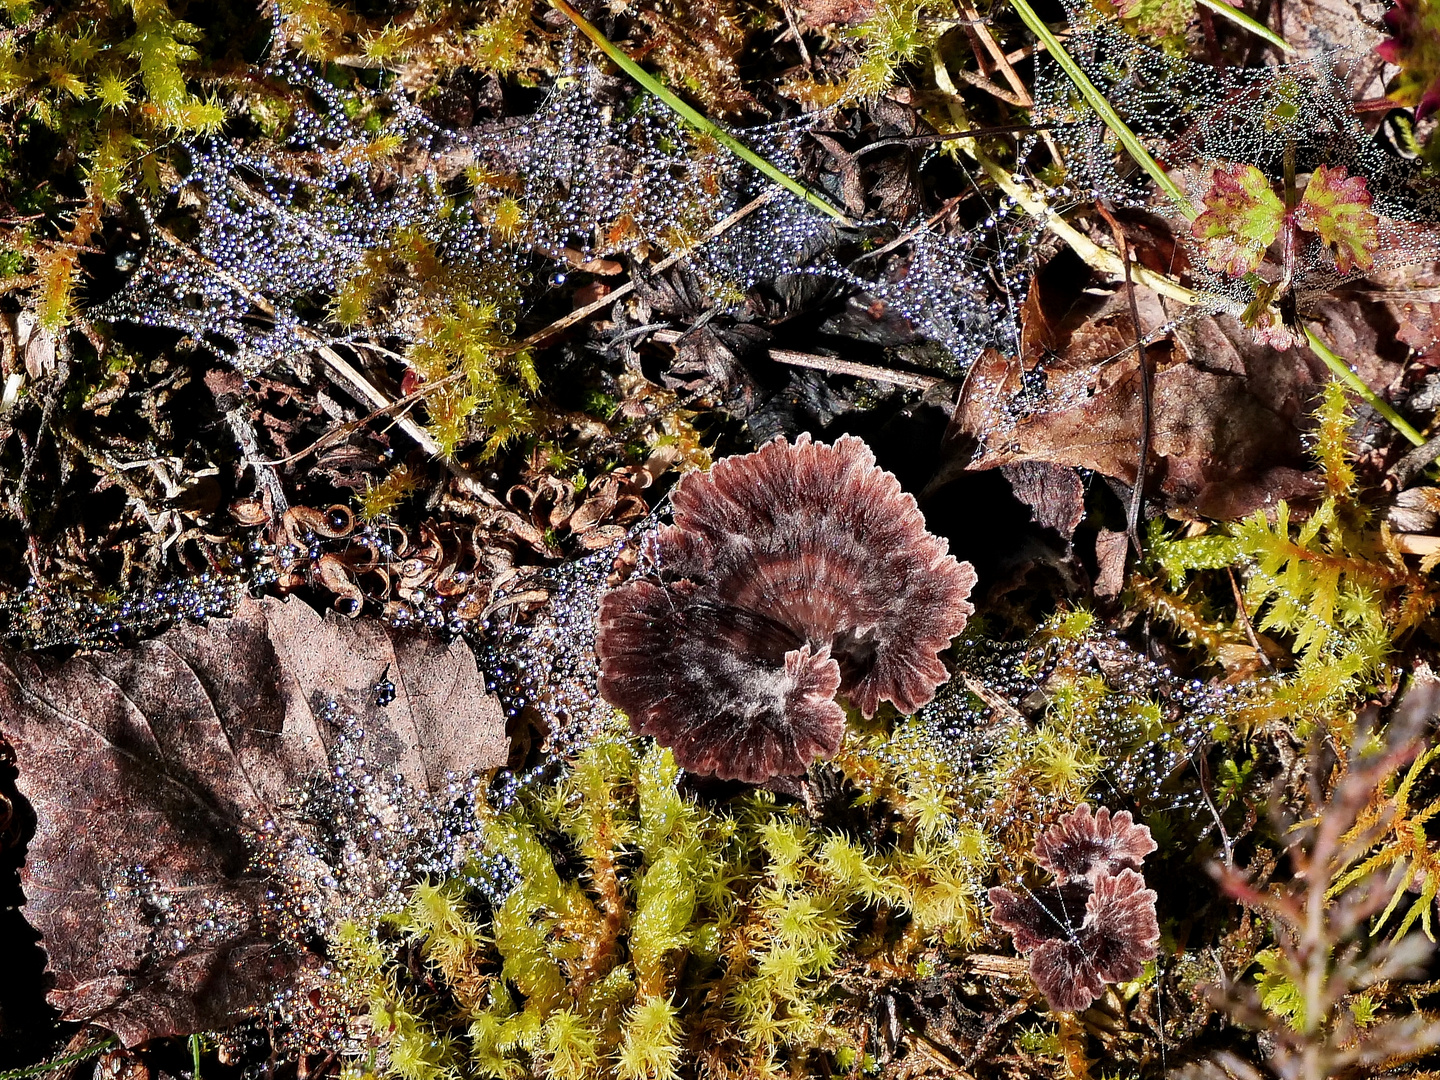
{"x":153,"y":772}
{"x":1336,"y":206}
{"x":1263,"y":318}
{"x":1242,"y":217}
{"x":1157,"y":18}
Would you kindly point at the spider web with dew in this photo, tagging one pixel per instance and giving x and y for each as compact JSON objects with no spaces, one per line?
{"x":265,"y":232}
{"x":1193,"y":116}
{"x":545,"y":663}
{"x":1147,"y":725}
{"x":248,"y":249}
{"x":359,"y":842}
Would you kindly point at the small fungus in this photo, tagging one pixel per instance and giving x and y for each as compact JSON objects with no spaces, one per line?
{"x":1095,"y":860}
{"x":1091,"y":846}
{"x":789,"y":575}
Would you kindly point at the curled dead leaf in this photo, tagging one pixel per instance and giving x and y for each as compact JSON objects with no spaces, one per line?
{"x":249,"y":512}
{"x":340,"y":580}
{"x":301,"y":523}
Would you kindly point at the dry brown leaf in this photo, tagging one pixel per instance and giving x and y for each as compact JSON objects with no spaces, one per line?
{"x":151,"y":771}
{"x":1055,"y":495}
{"x":1224,"y":439}
{"x":1111,"y":549}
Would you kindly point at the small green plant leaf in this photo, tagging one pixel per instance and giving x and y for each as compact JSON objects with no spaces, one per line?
{"x":1241,"y":218}
{"x":1232,"y":780}
{"x":1364,"y":1010}
{"x":1157,"y":18}
{"x":1276,"y":986}
{"x":1336,"y":207}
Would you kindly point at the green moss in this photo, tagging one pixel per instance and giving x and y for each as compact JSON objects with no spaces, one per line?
{"x":895,"y":34}
{"x":676,"y":932}
{"x":1332,"y":587}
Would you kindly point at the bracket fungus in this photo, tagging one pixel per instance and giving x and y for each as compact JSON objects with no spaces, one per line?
{"x":1095,"y":860}
{"x":789,"y":575}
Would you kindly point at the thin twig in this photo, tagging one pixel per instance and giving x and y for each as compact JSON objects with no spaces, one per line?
{"x":266,"y":482}
{"x":334,"y":435}
{"x":910,"y":233}
{"x":366,"y":391}
{"x":789,"y":10}
{"x":992,"y":698}
{"x":1202,"y":767}
{"x":981,"y":30}
{"x":341,"y":370}
{"x":835,"y":366}
{"x":1244,"y":614}
{"x":952,"y":136}
{"x":1417,"y":544}
{"x":980,"y":82}
{"x":1147,"y":404}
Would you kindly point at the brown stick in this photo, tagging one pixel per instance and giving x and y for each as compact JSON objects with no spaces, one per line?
{"x":341,"y":370}
{"x":980,"y":30}
{"x":952,"y":136}
{"x":980,"y":82}
{"x":911,"y":232}
{"x":1244,"y":614}
{"x":833,"y":365}
{"x":1147,"y":405}
{"x":836,"y":366}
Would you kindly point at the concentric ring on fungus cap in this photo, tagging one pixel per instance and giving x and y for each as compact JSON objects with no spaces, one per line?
{"x":789,"y":574}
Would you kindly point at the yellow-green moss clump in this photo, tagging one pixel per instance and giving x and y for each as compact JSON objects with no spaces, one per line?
{"x":646,"y":930}
{"x":1334,"y":589}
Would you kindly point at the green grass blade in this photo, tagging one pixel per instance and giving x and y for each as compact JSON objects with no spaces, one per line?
{"x":62,"y":1062}
{"x":697,"y":119}
{"x":1096,"y":100}
{"x":1239,"y":18}
{"x":1354,"y":382}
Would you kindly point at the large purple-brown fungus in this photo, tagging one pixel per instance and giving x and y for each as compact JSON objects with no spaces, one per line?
{"x":789,"y":574}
